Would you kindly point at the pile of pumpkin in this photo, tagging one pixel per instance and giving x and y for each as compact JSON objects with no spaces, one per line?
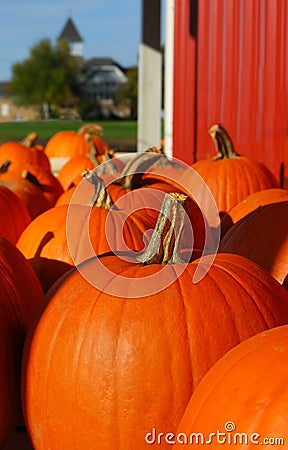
{"x":109,"y":341}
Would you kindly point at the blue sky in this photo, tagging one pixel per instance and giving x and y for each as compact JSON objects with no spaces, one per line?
{"x":110,"y":28}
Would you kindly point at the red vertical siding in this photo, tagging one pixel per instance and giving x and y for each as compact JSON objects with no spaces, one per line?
{"x":184,"y":82}
{"x":239,"y":69}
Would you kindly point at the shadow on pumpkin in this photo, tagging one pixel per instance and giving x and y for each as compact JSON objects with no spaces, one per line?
{"x":261,"y":237}
{"x":285,"y":282}
{"x":48,"y":270}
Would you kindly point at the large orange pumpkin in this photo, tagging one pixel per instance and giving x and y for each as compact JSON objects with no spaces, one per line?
{"x":24,"y":152}
{"x":68,"y":143}
{"x":20,"y":297}
{"x":244,"y":396}
{"x":120,"y":364}
{"x":262,"y":236}
{"x":229,"y":176}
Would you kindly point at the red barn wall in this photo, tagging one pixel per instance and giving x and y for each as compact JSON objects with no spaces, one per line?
{"x":231,"y":67}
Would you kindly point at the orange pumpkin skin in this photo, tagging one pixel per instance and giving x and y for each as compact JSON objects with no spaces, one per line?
{"x":30,"y":194}
{"x":20,"y":297}
{"x":14,"y":217}
{"x":19,"y":153}
{"x":232,"y":180}
{"x":250,"y":203}
{"x":45,"y":244}
{"x":167,"y":174}
{"x":262,"y":236}
{"x":66,"y":196}
{"x":70,"y":173}
{"x":247,"y":387}
{"x":230,"y":177}
{"x":47,"y":182}
{"x":131,"y":364}
{"x":69,"y":143}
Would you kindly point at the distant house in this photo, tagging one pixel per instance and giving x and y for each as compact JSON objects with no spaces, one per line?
{"x":99,"y":80}
{"x":9,"y":111}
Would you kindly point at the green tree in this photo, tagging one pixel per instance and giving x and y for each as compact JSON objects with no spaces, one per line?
{"x":48,"y":78}
{"x":128,"y":92}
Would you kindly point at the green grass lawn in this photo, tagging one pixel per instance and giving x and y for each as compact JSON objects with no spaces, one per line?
{"x":113,"y":129}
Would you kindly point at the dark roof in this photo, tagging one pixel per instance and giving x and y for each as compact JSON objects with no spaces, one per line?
{"x":88,"y":63}
{"x":70,"y":32}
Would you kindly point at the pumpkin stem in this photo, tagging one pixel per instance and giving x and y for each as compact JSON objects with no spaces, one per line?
{"x":101,"y":197}
{"x":5,"y":166}
{"x":91,"y":128}
{"x":92,"y":154}
{"x":30,"y":139}
{"x":30,"y":177}
{"x":223,"y":143}
{"x":137,"y":165}
{"x":163,"y":247}
{"x":92,"y":151}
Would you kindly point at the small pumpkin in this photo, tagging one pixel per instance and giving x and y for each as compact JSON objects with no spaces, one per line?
{"x":44,"y":179}
{"x":229,"y":176}
{"x":144,"y":335}
{"x":70,"y":173}
{"x":68,"y":143}
{"x":244,"y":396}
{"x":24,"y":152}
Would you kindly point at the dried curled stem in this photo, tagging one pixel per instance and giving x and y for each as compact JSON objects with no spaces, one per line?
{"x":163,"y":247}
{"x":101,"y":197}
{"x":135,"y":168}
{"x":97,"y":160}
{"x":223,"y":143}
{"x":30,"y":139}
{"x":91,"y":128}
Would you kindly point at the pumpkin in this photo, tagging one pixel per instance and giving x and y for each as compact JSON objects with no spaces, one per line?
{"x":44,"y":241}
{"x":152,"y":171}
{"x":262,"y":236}
{"x":143,"y":170}
{"x":70,"y":173}
{"x":14,"y":217}
{"x":68,"y":143}
{"x":44,"y":179}
{"x":133,"y":337}
{"x":251,"y":203}
{"x":20,"y":297}
{"x":29,"y":193}
{"x":230,"y":176}
{"x":25,"y":152}
{"x":151,"y":199}
{"x":244,"y":392}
